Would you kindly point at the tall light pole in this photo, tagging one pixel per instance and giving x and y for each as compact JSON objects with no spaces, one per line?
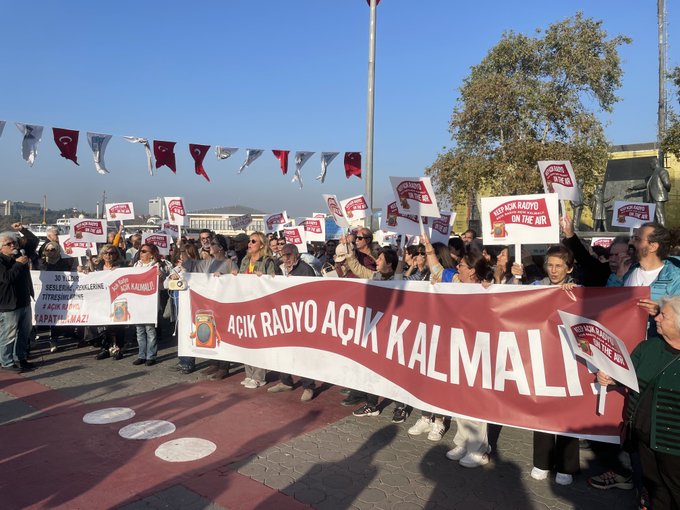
{"x":661,"y":126}
{"x":370,"y":106}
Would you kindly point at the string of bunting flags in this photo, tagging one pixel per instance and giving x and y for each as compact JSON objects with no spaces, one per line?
{"x":66,"y":141}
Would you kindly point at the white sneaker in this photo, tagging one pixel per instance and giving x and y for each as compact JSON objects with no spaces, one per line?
{"x":539,"y":474}
{"x":457,"y":453}
{"x":253,"y":384}
{"x":53,"y":346}
{"x":436,"y":432}
{"x":245,"y":381}
{"x":424,"y":424}
{"x":563,"y":479}
{"x":474,"y":459}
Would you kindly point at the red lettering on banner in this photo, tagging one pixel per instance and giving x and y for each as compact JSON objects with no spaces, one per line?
{"x":639,"y":212}
{"x":356,"y":204}
{"x":588,"y":335}
{"x":413,"y":190}
{"x":143,"y":284}
{"x":176,"y":207}
{"x":312,"y":225}
{"x":558,"y":174}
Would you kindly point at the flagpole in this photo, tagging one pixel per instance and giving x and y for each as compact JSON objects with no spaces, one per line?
{"x":370,"y":108}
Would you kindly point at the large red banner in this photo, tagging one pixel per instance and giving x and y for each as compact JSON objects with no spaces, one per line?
{"x":496,"y":355}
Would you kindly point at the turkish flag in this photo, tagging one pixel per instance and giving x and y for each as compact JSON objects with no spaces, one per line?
{"x":282,"y":156}
{"x":164,"y":152}
{"x":198,"y":152}
{"x":353,"y":164}
{"x":67,"y":141}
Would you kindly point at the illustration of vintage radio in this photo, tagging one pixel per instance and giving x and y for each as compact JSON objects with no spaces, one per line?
{"x":499,"y":231}
{"x":120,"y":310}
{"x":205,"y":332}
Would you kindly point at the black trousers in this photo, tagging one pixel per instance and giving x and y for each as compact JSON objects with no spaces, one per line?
{"x":287,"y":379}
{"x":661,"y":476}
{"x":556,"y":452}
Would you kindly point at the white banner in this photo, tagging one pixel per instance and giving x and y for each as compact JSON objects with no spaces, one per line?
{"x":240,"y":222}
{"x":161,"y":241}
{"x":75,"y":247}
{"x":326,"y":159}
{"x":415,"y":195}
{"x":301,"y":158}
{"x":147,"y":149}
{"x":593,"y":342}
{"x":29,"y":144}
{"x":521,"y":219}
{"x":177,"y":213}
{"x":355,"y":209}
{"x":275,"y":222}
{"x":558,"y":177}
{"x":98,"y":143}
{"x":440,"y":231}
{"x":87,"y":229}
{"x":120,"y":212}
{"x":224,"y":152}
{"x":336,"y":210}
{"x":121,"y":296}
{"x":632,"y":214}
{"x":251,"y":155}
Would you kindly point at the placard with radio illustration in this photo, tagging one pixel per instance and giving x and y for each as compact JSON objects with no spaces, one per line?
{"x":558,"y":177}
{"x":355,"y":209}
{"x":91,"y":230}
{"x":632,"y":214}
{"x":521,"y":219}
{"x":122,"y":211}
{"x":415,"y":195}
{"x":177,"y":213}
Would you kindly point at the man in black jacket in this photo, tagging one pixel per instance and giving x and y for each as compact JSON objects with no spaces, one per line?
{"x":16,"y":290}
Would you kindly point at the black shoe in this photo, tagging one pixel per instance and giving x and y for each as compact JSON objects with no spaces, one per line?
{"x":13,"y":368}
{"x":187,"y":370}
{"x":103,"y":354}
{"x":150,"y":362}
{"x":118,"y":355}
{"x":353,"y":400}
{"x":367,"y":411}
{"x":139,"y":361}
{"x":399,"y":415}
{"x":177,"y":367}
{"x":26,"y":365}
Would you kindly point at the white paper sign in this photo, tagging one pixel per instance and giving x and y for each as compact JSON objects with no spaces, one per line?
{"x":521,"y":219}
{"x":161,"y":241}
{"x":392,"y":220}
{"x":315,"y":229}
{"x":415,"y":195}
{"x":275,"y":222}
{"x":336,"y":210}
{"x":120,"y":212}
{"x":604,"y":242}
{"x":75,"y":247}
{"x":296,"y":236}
{"x":355,"y":209}
{"x":558,"y":177}
{"x":240,"y":222}
{"x":632,"y":214}
{"x":85,"y":229}
{"x":318,"y":215}
{"x":440,"y":231}
{"x":170,"y":229}
{"x":177,"y":213}
{"x":593,"y":342}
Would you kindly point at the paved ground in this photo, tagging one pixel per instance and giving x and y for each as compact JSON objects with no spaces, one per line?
{"x":272,"y":450}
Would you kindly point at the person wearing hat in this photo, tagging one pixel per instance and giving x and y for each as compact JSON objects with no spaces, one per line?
{"x":240,"y":245}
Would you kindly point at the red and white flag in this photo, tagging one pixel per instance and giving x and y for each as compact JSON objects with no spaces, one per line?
{"x":98,"y":143}
{"x":326,"y":159}
{"x":147,"y":149}
{"x":198,"y":153}
{"x":29,"y":145}
{"x":353,"y":164}
{"x":67,"y":142}
{"x":224,"y":152}
{"x":251,"y":155}
{"x":121,"y":211}
{"x":301,"y":158}
{"x":282,"y":156}
{"x":164,"y":152}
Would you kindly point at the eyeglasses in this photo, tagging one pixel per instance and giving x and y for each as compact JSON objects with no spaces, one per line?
{"x":362,"y":237}
{"x":10,"y":243}
{"x":144,"y":251}
{"x":253,"y":241}
{"x":420,"y":254}
{"x":50,"y":249}
{"x":107,"y":253}
{"x":282,"y":243}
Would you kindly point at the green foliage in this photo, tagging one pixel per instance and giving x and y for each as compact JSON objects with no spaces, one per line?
{"x":671,"y":142}
{"x":531,"y":99}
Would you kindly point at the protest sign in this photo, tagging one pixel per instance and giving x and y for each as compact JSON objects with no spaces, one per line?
{"x":275,"y":222}
{"x":240,"y":222}
{"x":632,"y":214}
{"x":415,"y":195}
{"x":314,"y":229}
{"x":170,"y":229}
{"x":296,"y":236}
{"x":392,"y":220}
{"x":521,"y":219}
{"x":490,"y":354}
{"x":122,"y":211}
{"x":75,"y":247}
{"x":440,"y":231}
{"x":87,"y":229}
{"x":177,"y":213}
{"x":558,"y":177}
{"x":355,"y":209}
{"x":123,"y":296}
{"x":336,"y":210}
{"x":318,"y":215}
{"x":604,"y":242}
{"x":162,"y":241}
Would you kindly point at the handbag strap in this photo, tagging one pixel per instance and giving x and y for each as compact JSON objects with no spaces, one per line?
{"x":650,"y":384}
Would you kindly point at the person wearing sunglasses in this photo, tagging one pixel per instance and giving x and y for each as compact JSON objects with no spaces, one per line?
{"x":363,"y":263}
{"x":16,"y":289}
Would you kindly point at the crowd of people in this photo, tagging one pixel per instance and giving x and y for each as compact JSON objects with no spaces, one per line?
{"x":647,"y":258}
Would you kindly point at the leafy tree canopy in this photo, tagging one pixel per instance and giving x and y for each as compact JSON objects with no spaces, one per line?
{"x":671,"y":142}
{"x":531,"y":99}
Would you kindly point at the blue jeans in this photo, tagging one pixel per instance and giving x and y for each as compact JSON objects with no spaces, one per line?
{"x":146,"y":339}
{"x":15,"y":334}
